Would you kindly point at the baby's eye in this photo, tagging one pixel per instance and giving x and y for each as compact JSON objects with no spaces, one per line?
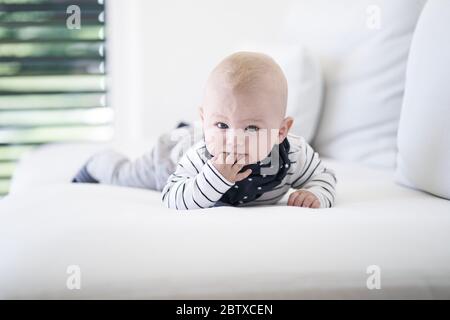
{"x":252,"y":128}
{"x":221,"y":125}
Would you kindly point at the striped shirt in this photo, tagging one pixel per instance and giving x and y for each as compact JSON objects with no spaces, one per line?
{"x":197,"y":184}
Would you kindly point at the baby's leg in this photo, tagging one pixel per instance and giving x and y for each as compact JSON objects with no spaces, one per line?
{"x":149,"y":171}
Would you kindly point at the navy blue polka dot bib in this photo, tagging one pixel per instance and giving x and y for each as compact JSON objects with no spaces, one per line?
{"x":257,"y":183}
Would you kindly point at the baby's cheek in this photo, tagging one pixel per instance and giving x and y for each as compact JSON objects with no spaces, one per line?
{"x":259,"y":148}
{"x":215,"y":142}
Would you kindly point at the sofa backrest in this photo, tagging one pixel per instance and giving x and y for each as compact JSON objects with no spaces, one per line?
{"x":363,"y":47}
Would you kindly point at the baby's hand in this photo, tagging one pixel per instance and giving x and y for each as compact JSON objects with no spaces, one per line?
{"x":229,"y":165}
{"x":303,"y":198}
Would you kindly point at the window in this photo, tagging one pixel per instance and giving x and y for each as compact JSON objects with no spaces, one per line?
{"x":52,"y":77}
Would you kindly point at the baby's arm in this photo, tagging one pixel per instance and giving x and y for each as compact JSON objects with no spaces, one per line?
{"x":314,"y":178}
{"x":195,"y":184}
{"x":198,"y":184}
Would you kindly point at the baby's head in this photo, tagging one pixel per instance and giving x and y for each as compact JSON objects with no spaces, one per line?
{"x":244,"y":106}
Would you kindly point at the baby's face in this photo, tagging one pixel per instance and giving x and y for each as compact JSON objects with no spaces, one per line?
{"x":247,"y":122}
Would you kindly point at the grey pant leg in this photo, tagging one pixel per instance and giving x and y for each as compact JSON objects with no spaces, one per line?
{"x":152,"y":169}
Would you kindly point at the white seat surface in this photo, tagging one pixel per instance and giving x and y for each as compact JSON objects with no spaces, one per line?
{"x":127,"y":245}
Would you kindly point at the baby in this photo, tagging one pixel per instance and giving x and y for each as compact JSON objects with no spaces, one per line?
{"x":244,"y":154}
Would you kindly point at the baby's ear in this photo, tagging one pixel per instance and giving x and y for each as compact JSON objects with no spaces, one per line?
{"x":285,"y":127}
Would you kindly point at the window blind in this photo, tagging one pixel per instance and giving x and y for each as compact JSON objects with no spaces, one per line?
{"x":52,"y":77}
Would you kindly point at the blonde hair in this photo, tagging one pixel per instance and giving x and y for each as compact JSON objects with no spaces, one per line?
{"x":243,"y":70}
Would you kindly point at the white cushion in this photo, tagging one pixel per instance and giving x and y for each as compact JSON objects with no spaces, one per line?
{"x":305,"y":82}
{"x":363,"y":47}
{"x":424,"y":133}
{"x":129,"y":246}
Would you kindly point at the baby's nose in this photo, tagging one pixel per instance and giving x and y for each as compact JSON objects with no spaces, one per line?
{"x":235,"y":141}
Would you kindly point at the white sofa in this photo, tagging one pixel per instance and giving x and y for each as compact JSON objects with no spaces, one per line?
{"x":125,"y":244}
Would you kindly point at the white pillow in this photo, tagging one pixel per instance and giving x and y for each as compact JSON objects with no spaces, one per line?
{"x":363,"y":47}
{"x":424,"y":133}
{"x":305,"y":84}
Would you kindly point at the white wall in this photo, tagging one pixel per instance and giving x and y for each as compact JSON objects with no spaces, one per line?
{"x":160,"y":53}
